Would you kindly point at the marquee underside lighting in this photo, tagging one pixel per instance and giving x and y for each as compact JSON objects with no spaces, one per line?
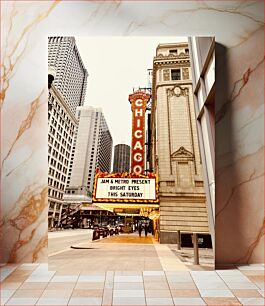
{"x":144,"y":209}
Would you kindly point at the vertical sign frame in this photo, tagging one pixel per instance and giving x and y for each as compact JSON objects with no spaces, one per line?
{"x":138,"y":102}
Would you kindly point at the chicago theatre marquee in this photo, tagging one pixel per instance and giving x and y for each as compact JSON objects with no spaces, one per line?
{"x":131,"y":193}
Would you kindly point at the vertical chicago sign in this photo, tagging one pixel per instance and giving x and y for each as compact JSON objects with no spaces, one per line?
{"x":138,"y":102}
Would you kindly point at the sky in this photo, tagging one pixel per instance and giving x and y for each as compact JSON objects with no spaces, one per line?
{"x":115,"y":66}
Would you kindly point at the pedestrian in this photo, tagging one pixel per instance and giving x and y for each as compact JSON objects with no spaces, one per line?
{"x":145,"y":229}
{"x":150,"y":228}
{"x":140,"y":229}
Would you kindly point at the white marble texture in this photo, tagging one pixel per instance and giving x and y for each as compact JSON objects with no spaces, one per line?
{"x":237,"y":25}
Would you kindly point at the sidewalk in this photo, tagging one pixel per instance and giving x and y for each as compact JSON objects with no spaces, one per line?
{"x":128,"y":238}
{"x":34,"y":284}
{"x":128,"y":270}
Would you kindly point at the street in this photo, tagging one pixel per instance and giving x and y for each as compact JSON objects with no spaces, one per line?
{"x":124,"y":252}
{"x":62,"y":240}
{"x":72,"y":250}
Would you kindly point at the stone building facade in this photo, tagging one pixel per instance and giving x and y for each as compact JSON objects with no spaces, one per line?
{"x":61,"y":128}
{"x":174,"y":146}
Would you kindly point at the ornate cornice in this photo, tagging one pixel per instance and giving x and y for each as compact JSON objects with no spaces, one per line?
{"x":172,"y":56}
{"x":170,"y":63}
{"x":171,"y":59}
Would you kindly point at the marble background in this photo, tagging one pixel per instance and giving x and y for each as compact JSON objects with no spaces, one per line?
{"x":238,"y":27}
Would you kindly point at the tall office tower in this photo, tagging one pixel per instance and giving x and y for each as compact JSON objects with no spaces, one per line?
{"x":62,"y":124}
{"x":121,"y":161}
{"x":203,"y":72}
{"x":175,"y":149}
{"x":71,"y":75}
{"x":92,"y":149}
{"x":67,"y":86}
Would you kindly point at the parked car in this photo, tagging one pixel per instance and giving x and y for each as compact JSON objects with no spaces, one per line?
{"x":120,"y":227}
{"x":67,"y":226}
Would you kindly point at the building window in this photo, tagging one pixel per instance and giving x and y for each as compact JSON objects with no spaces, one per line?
{"x":173,"y":51}
{"x":175,"y":74}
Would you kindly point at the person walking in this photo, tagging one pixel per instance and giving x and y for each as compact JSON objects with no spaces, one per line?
{"x":146,"y":229}
{"x":140,"y":229}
